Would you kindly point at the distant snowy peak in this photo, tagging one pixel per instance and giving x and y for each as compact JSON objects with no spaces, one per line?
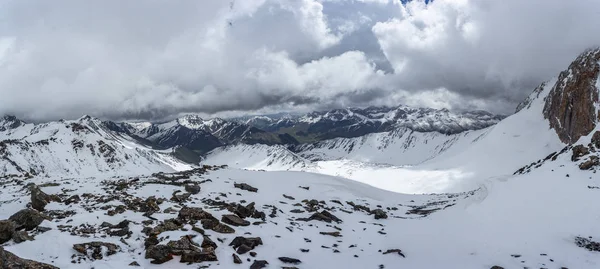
{"x":355,"y":122}
{"x":83,"y":147}
{"x":572,"y":105}
{"x":9,"y":122}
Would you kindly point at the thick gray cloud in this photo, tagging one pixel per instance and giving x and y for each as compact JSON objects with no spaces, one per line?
{"x":154,"y":59}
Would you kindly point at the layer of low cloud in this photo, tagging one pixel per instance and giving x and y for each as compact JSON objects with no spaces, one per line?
{"x":155,"y":59}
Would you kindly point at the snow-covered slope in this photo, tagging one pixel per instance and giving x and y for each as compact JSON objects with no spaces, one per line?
{"x":401,"y":146}
{"x":258,"y":157}
{"x":415,"y":162}
{"x":77,"y":148}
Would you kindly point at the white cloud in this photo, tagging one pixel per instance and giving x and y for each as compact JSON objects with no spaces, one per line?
{"x":66,"y":58}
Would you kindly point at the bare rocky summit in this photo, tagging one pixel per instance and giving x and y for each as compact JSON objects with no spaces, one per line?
{"x":572,"y":104}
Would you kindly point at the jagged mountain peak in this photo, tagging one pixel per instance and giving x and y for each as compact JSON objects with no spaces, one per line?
{"x":572,"y":105}
{"x":10,"y":122}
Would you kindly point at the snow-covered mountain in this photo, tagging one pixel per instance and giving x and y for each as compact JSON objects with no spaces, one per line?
{"x":201,"y":135}
{"x":75,"y":148}
{"x":355,"y":122}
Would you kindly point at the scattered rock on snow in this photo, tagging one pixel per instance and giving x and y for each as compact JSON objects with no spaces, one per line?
{"x":40,"y":199}
{"x":587,"y":244}
{"x":259,"y":264}
{"x":245,"y":244}
{"x":159,"y":254}
{"x":236,"y":259}
{"x":192,"y":188}
{"x":245,"y":187}
{"x":334,"y":234}
{"x":590,"y":163}
{"x":234,"y":220}
{"x":394,"y":251}
{"x":290,"y":260}
{"x":322,"y":216}
{"x":379,"y":214}
{"x":96,"y":249}
{"x":579,"y":151}
{"x":12,"y":261}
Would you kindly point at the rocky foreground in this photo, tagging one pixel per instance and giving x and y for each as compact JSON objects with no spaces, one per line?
{"x":192,"y":217}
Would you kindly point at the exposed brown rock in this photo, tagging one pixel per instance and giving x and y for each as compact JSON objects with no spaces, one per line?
{"x":7,"y":229}
{"x":40,"y":199}
{"x":259,"y":264}
{"x":234,"y":220}
{"x":28,"y":219}
{"x":11,"y":261}
{"x":596,"y":139}
{"x":95,"y":249}
{"x":570,"y":105}
{"x":579,"y":151}
{"x":236,"y":259}
{"x":591,"y":162}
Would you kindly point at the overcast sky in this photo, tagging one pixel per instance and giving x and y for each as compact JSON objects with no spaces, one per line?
{"x":156,"y":58}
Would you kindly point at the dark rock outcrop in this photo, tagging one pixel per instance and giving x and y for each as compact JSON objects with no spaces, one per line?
{"x":596,"y":139}
{"x":245,"y":187}
{"x":95,"y":249}
{"x":570,"y":105}
{"x":7,"y":229}
{"x":234,"y":220}
{"x":12,"y":261}
{"x":590,"y":163}
{"x":28,"y":219}
{"x":245,"y":244}
{"x":289,"y":260}
{"x":40,"y":199}
{"x":259,"y":264}
{"x":159,"y":254}
{"x":579,"y":151}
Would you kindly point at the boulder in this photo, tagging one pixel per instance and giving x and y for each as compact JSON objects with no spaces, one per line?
{"x":578,"y":152}
{"x":28,"y":219}
{"x":194,"y":214}
{"x":208,"y":243}
{"x":236,"y":259}
{"x":289,"y":260}
{"x":398,"y":251}
{"x":192,"y":188}
{"x":322,"y":216}
{"x":259,"y":264}
{"x":245,"y":244}
{"x":234,"y":220}
{"x":40,"y":199}
{"x":590,"y":163}
{"x":7,"y":229}
{"x":379,"y":214}
{"x":245,"y":187}
{"x":96,"y":249}
{"x":196,"y":256}
{"x":159,"y":254}
{"x":21,"y":236}
{"x":183,"y":244}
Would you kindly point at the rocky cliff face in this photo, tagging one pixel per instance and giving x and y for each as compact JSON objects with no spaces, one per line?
{"x":572,"y":104}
